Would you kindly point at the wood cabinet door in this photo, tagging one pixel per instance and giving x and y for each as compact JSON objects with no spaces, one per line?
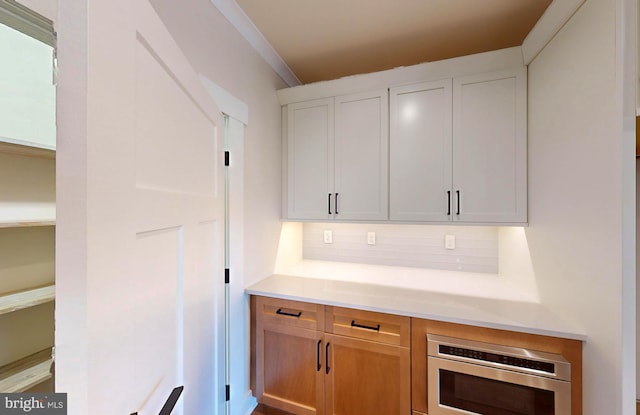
{"x":361,"y":156}
{"x":489,"y":147}
{"x":366,"y":378}
{"x":420,"y":152}
{"x":310,"y":159}
{"x":290,"y":368}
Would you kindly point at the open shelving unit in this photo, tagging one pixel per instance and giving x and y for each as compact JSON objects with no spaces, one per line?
{"x":27,"y":200}
{"x":26,"y":149}
{"x":24,"y":302}
{"x":26,"y":373}
{"x":28,"y":163}
{"x":26,"y":298}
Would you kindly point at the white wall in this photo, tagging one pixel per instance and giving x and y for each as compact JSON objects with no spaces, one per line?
{"x":576,"y":233}
{"x":219,"y":53}
{"x":27,"y":103}
{"x":637,"y":292}
{"x":216,"y":51}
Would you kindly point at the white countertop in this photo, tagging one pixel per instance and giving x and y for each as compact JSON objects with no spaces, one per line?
{"x":527,"y":317}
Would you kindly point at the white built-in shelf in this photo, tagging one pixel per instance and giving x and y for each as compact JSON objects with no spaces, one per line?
{"x":26,"y":373}
{"x":28,"y":298}
{"x":26,"y":149}
{"x":26,"y":223}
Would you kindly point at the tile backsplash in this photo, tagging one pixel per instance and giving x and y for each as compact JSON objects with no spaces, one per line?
{"x":420,"y":246}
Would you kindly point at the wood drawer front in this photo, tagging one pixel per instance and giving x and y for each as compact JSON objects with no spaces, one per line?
{"x":289,"y":313}
{"x":368,"y":325}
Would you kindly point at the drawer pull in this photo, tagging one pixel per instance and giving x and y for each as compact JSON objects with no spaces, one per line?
{"x":284,"y":313}
{"x":362,"y":326}
{"x":318,"y":355}
{"x":326,"y":358}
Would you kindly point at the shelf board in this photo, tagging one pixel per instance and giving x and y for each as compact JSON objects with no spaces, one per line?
{"x":26,"y":223}
{"x":26,"y":150}
{"x":28,"y":298}
{"x":26,"y":373}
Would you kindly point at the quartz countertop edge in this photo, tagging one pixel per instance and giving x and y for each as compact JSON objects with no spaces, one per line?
{"x":525,"y":317}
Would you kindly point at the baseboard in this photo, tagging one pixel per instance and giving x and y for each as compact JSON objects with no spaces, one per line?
{"x":247,"y":405}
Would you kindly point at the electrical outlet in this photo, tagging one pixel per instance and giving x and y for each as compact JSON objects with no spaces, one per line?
{"x":450,"y":241}
{"x":328,"y":237}
{"x":371,"y":238}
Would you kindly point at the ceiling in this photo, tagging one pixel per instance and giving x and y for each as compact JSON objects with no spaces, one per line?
{"x":328,"y":39}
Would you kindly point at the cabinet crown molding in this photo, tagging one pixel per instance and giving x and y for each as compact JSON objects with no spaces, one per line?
{"x":429,"y":71}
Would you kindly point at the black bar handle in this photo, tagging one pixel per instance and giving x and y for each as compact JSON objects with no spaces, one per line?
{"x":362,"y":326}
{"x":318,"y":355}
{"x":329,"y":203}
{"x":284,"y":313}
{"x":336,"y":203}
{"x":448,"y":202}
{"x":458,"y":197}
{"x":326,"y":358}
{"x":171,"y":401}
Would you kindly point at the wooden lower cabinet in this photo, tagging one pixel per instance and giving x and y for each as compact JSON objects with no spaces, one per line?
{"x":291,"y":382}
{"x":288,"y":356}
{"x":367,"y":378}
{"x":310,"y":359}
{"x":309,"y":371}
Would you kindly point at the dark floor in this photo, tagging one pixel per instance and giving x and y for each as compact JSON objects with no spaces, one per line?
{"x":265,"y":410}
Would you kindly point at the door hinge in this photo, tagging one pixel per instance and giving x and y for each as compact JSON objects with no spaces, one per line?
{"x":226,"y":158}
{"x":227,"y":392}
{"x":226,"y":275}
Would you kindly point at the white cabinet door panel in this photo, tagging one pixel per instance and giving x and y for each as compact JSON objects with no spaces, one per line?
{"x":361,"y":156}
{"x":310,"y":159}
{"x":489,"y":152}
{"x":420,"y":152}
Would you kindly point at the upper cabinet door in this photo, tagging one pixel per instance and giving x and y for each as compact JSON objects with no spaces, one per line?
{"x":420,"y":152}
{"x":361,"y":156}
{"x":310,"y":159}
{"x":489,"y":147}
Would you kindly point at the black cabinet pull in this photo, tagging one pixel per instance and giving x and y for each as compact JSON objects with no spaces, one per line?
{"x":326,"y":358}
{"x":336,"y":203}
{"x":318,"y":355}
{"x":458,"y":197}
{"x":362,"y":326}
{"x":329,"y":203}
{"x":448,"y":202}
{"x":284,"y":313}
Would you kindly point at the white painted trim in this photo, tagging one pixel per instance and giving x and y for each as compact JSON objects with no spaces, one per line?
{"x":557,"y":14}
{"x":237,"y":17}
{"x":250,"y":403}
{"x":227,"y":102}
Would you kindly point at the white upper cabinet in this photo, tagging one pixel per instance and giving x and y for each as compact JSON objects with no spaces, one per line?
{"x":490,"y":147}
{"x":309,"y":159}
{"x":446,"y":144}
{"x":458,"y":150}
{"x":420,"y":152}
{"x":361,"y":156}
{"x":337,"y":158}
